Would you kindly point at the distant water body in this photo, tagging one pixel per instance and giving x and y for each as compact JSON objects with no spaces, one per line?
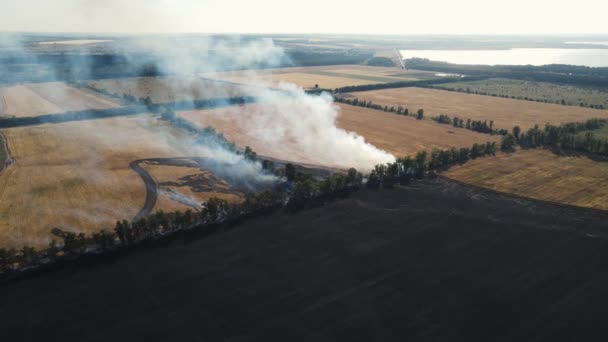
{"x":527,"y":56}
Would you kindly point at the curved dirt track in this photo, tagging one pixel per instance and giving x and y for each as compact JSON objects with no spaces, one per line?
{"x":151,"y":189}
{"x":152,"y":186}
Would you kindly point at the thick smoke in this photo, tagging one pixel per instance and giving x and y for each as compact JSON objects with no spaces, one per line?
{"x":292,"y":118}
{"x":287,"y":116}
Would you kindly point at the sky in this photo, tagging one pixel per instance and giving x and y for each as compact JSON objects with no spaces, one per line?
{"x":308,"y":16}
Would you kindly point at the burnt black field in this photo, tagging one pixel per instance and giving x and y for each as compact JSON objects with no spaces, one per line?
{"x":434,"y":261}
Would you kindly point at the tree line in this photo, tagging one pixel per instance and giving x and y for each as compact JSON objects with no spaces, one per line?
{"x":295,"y":191}
{"x":140,"y":107}
{"x":399,"y":110}
{"x":565,"y":136}
{"x":480,"y":126}
{"x":406,"y":84}
{"x":554,"y":73}
{"x":524,"y":98}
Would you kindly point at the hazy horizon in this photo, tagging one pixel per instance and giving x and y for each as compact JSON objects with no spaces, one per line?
{"x":383,"y":17}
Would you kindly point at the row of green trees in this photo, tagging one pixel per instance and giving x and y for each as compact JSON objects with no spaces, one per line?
{"x":481,"y":126}
{"x":399,"y":110}
{"x":405,"y":84}
{"x":405,"y":169}
{"x":298,"y":191}
{"x":567,"y":136}
{"x":524,"y":98}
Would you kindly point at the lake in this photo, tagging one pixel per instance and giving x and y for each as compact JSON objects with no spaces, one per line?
{"x":518,"y":56}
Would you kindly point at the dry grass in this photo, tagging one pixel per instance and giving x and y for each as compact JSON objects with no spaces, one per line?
{"x":542,"y":175}
{"x":169,"y":89}
{"x":76,"y":175}
{"x":334,"y":76}
{"x":48,"y":98}
{"x":506,"y":113}
{"x":22,"y":101}
{"x":401,"y":135}
{"x":396,"y":134}
{"x":71,"y":99}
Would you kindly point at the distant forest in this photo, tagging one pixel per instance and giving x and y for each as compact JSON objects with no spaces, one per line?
{"x":43,"y":67}
{"x":554,"y":73}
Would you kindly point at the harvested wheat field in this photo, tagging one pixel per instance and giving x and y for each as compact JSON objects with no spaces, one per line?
{"x":393,"y":133}
{"x":76,"y":175}
{"x":540,"y":174}
{"x":49,"y":98}
{"x":72,"y":99}
{"x":329,"y":77}
{"x":21,"y":101}
{"x":401,"y":135}
{"x":169,"y":89}
{"x":506,"y":113}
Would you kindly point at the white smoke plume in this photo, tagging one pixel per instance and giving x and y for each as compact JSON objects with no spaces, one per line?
{"x":287,"y":117}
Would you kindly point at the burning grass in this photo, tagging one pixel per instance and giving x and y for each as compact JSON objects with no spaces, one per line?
{"x":186,"y":187}
{"x":505,"y":113}
{"x":540,"y":174}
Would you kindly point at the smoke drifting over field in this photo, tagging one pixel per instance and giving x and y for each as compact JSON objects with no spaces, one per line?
{"x":287,"y":114}
{"x":308,"y":122}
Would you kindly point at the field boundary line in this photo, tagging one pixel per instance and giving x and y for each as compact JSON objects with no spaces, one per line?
{"x":512,"y":195}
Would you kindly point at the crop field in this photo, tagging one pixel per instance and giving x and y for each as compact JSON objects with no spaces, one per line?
{"x":329,"y":77}
{"x":77,"y":176}
{"x":396,"y":134}
{"x":401,"y":135}
{"x":552,"y":93}
{"x":540,"y":174}
{"x":505,"y":113}
{"x":48,"y":98}
{"x":169,"y":89}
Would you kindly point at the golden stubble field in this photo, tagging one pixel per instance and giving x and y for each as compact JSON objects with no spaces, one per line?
{"x":540,"y":174}
{"x":36,"y":99}
{"x":396,"y":134}
{"x":171,"y":88}
{"x":76,"y":175}
{"x":334,"y":76}
{"x":506,"y":113}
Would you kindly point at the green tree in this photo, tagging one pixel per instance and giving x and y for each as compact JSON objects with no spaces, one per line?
{"x":290,"y":172}
{"x":250,"y":154}
{"x":508,"y":143}
{"x":516,"y":132}
{"x":420,"y":163}
{"x":420,"y":114}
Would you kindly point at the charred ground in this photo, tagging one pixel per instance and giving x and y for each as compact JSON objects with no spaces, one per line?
{"x":431,"y":260}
